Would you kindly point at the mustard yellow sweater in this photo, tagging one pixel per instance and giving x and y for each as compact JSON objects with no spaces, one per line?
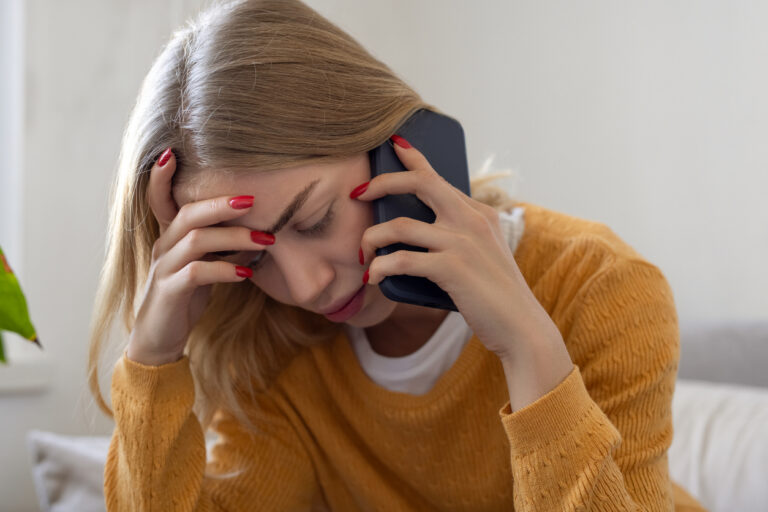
{"x":332,"y":439}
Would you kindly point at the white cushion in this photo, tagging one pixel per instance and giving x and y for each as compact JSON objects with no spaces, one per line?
{"x":719,"y":451}
{"x":68,"y":471}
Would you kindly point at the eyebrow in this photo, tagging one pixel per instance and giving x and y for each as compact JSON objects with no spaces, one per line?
{"x":292,"y":208}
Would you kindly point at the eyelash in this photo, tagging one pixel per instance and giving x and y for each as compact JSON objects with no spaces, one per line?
{"x":320,"y":226}
{"x":315,"y":230}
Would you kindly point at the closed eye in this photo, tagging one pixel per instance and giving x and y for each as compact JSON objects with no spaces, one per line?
{"x":322,"y":225}
{"x":257,"y":260}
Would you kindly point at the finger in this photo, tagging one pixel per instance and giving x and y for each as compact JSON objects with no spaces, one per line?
{"x":430,"y":188}
{"x":410,"y":156}
{"x":435,"y":267}
{"x":421,"y":180}
{"x":414,"y":159}
{"x":161,"y":202}
{"x":203,"y":213}
{"x":202,"y":242}
{"x":200,"y":273}
{"x":432,"y":237}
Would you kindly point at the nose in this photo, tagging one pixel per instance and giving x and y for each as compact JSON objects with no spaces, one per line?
{"x":307,"y":274}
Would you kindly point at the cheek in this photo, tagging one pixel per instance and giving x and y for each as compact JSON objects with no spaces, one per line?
{"x":271,"y":282}
{"x":359,"y":217}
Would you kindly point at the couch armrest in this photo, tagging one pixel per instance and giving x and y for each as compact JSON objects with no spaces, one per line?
{"x":732,"y":352}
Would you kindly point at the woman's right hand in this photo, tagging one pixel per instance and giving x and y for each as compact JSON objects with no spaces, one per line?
{"x":180,"y":277}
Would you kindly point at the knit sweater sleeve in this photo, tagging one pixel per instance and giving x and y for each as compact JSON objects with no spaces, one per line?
{"x":157,"y":455}
{"x":599,"y":439}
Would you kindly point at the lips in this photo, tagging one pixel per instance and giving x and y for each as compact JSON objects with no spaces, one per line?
{"x":340,"y":304}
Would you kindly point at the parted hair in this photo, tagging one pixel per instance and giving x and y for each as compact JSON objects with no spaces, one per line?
{"x":244,"y":86}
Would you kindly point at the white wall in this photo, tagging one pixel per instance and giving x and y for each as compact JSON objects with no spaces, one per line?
{"x":648,"y":116}
{"x":11,"y":126}
{"x":85,"y":62}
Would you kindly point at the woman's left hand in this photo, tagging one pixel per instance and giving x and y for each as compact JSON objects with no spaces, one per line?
{"x":467,"y":257}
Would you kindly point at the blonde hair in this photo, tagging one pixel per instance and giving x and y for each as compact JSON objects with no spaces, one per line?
{"x":261,"y":84}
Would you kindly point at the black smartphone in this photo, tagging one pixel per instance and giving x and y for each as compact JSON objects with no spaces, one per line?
{"x":441,"y":140}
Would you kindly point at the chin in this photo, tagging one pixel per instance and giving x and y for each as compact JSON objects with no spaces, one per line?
{"x":376,"y":309}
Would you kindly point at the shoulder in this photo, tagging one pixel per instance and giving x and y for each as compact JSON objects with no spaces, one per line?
{"x":556,"y":239}
{"x":562,"y":256}
{"x":553,"y":230}
{"x":597,"y":287}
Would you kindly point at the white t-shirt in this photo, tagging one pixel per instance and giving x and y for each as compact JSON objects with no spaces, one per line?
{"x":417,"y":373}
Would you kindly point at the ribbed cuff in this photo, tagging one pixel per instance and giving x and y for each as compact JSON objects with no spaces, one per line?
{"x":559,"y":412}
{"x":167,"y":382}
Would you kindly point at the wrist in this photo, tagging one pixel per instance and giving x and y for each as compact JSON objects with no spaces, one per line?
{"x":534,"y":369}
{"x":148,"y":358}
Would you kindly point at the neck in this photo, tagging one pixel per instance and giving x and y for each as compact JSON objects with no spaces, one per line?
{"x":405,"y":331}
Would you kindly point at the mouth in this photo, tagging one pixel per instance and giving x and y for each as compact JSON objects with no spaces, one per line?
{"x":341,"y":304}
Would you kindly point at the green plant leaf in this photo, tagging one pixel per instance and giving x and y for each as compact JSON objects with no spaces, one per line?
{"x":2,"y":350}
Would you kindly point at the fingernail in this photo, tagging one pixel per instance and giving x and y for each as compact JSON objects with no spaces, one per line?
{"x":243,"y":271}
{"x":360,"y":255}
{"x":241,"y":202}
{"x":359,"y":190}
{"x":262,"y":238}
{"x":164,"y":157}
{"x":400,"y":141}
{"x":365,"y":277}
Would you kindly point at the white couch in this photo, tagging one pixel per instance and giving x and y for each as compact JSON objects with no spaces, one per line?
{"x":719,"y":452}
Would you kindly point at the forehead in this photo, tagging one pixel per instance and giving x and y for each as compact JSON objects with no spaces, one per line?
{"x":272,"y":190}
{"x":260,"y":184}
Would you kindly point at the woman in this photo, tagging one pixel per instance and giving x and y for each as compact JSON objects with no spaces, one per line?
{"x":242,"y":209}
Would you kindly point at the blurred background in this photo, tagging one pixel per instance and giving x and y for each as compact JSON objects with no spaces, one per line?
{"x":650,"y":117}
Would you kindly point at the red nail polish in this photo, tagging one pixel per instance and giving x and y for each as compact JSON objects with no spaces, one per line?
{"x":241,"y":202}
{"x":365,"y":277}
{"x":360,"y":255}
{"x":243,"y":271}
{"x":262,"y":238}
{"x":400,"y":141}
{"x":164,"y":157}
{"x":359,"y":190}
